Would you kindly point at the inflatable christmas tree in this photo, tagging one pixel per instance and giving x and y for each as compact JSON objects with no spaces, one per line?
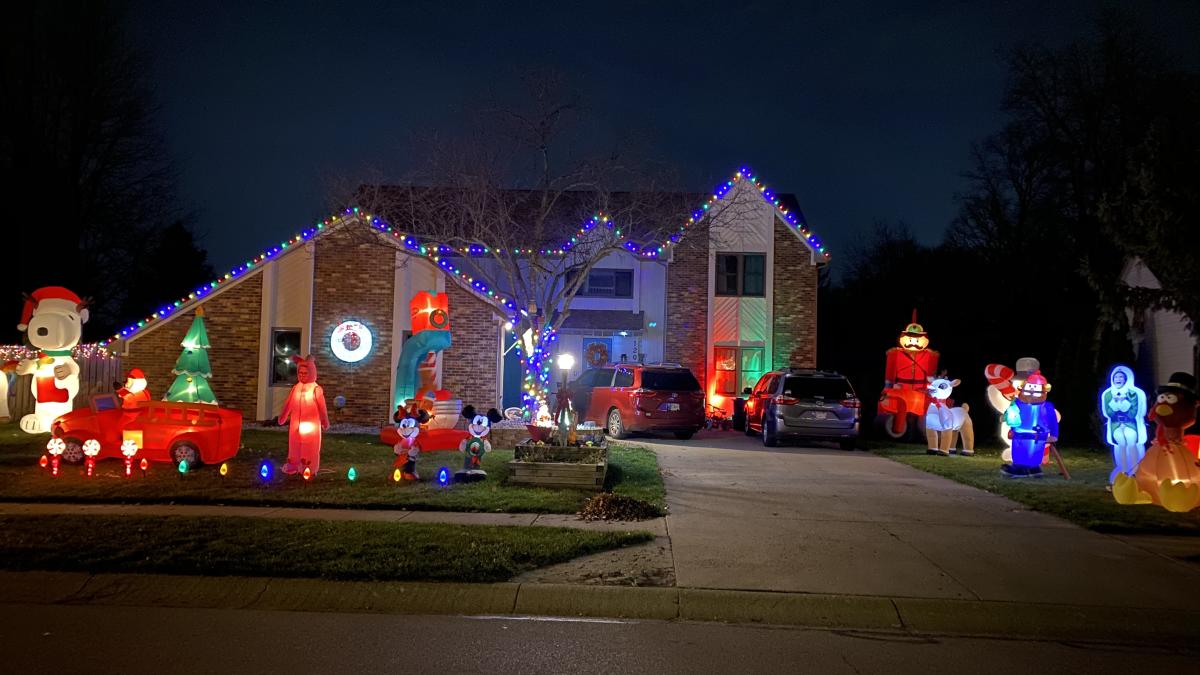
{"x":192,"y":369}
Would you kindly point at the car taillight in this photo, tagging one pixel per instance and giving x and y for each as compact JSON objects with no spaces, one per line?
{"x":852,"y":403}
{"x":785,"y":400}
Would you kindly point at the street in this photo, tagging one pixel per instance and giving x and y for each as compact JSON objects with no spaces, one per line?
{"x":127,"y":640}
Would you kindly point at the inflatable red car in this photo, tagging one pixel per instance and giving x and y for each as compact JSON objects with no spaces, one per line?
{"x":165,"y":431}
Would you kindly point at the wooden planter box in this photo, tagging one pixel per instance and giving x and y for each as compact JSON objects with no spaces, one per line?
{"x":559,"y":466}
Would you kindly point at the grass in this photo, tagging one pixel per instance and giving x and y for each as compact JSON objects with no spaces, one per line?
{"x":1082,"y":500}
{"x":293,"y":548}
{"x":632,"y":472}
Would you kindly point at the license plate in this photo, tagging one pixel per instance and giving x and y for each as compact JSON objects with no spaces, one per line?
{"x":815,"y":415}
{"x":669,"y":407}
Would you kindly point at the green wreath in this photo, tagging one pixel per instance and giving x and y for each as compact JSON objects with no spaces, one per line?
{"x":439,"y":319}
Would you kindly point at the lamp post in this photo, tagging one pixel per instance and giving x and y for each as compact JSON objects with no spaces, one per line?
{"x":565,"y":363}
{"x":563,"y":415}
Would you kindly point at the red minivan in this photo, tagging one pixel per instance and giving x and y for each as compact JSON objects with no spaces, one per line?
{"x":632,"y":397}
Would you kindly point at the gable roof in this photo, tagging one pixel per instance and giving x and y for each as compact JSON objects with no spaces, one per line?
{"x":786,"y":209}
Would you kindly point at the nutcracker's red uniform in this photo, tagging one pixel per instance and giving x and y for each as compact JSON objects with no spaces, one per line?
{"x":906,"y":377}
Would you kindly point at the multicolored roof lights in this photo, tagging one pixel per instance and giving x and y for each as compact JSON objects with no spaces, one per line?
{"x":792,"y":218}
{"x":442,"y":255}
{"x":434,"y":252}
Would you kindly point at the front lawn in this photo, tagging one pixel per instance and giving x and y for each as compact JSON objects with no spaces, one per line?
{"x":343,"y":550}
{"x":1082,"y":500}
{"x":632,"y":472}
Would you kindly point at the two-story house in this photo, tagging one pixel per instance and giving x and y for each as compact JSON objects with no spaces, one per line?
{"x":730,"y":304}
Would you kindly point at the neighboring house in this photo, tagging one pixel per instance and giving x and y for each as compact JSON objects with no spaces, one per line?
{"x":1162,"y":343}
{"x":730,"y":306}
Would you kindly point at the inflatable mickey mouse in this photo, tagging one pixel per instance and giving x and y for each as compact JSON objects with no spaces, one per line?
{"x":408,"y":448}
{"x":477,"y":445}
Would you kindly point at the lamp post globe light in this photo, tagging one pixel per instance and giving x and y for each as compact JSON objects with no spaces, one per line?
{"x":566,"y":362}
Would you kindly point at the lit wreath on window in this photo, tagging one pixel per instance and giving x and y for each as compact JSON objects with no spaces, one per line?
{"x":350,"y":341}
{"x":438,"y":318}
{"x":597,"y":354}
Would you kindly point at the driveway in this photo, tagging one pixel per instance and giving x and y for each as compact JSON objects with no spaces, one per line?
{"x":830,"y":521}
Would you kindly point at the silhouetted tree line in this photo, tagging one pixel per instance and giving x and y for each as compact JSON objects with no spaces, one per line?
{"x":1099,"y":162}
{"x":89,"y":190}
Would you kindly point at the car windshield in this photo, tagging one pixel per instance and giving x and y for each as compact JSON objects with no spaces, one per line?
{"x":670,"y":380}
{"x":829,"y":388}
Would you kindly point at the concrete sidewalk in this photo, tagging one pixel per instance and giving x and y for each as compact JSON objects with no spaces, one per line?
{"x":656,"y":526}
{"x":1038,"y":621}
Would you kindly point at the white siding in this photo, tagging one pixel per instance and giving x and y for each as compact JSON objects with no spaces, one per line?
{"x":286,"y":303}
{"x":1165,"y":338}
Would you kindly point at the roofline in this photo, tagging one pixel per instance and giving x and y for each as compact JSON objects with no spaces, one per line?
{"x":408,"y":244}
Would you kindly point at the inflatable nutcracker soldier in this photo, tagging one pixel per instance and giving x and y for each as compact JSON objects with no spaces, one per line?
{"x":906,"y":379}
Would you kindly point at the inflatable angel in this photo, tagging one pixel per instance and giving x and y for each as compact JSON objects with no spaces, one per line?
{"x":1123,"y":407}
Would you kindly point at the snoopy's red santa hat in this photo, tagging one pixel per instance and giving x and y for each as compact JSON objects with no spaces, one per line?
{"x":51,"y":295}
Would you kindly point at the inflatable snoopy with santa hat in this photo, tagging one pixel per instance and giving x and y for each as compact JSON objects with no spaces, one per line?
{"x":52,"y":321}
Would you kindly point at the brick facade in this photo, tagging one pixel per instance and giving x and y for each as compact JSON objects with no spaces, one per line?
{"x":231,"y":318}
{"x":470,"y":367}
{"x":685,"y":336}
{"x":795,"y":302}
{"x":354,"y":278}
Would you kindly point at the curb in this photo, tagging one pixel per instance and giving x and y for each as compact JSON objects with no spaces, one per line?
{"x":656,"y":526}
{"x":917,"y":616}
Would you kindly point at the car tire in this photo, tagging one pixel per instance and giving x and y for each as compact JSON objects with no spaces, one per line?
{"x":73,"y":453}
{"x":768,"y":436}
{"x":684,"y":435}
{"x":185,"y":450}
{"x":848,"y":443}
{"x":616,"y":427}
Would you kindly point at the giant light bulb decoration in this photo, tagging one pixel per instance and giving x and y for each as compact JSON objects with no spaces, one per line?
{"x":1123,"y":407}
{"x":305,"y":412}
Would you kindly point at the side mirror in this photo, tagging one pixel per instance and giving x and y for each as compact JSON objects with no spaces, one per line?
{"x":746,"y":391}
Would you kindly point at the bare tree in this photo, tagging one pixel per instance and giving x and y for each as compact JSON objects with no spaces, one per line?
{"x":525,"y":215}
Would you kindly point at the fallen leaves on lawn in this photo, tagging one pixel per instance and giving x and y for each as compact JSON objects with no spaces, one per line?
{"x":608,"y":506}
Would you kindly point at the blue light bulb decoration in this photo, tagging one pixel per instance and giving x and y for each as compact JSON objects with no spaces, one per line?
{"x":443,"y":476}
{"x":265,"y":469}
{"x":183,"y":466}
{"x":352,"y":475}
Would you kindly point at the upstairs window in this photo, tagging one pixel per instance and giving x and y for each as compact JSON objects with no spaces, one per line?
{"x":607,"y":283}
{"x":741,"y":274}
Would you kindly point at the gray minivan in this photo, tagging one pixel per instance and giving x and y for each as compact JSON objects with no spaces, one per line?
{"x":803,"y":403}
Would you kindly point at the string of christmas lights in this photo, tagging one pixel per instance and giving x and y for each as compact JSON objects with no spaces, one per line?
{"x":439,"y":253}
{"x":84,"y":351}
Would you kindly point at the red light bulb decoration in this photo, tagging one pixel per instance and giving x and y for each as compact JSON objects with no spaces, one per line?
{"x":55,"y":447}
{"x":91,"y":448}
{"x":44,"y":461}
{"x":144,"y":464}
{"x":129,"y":448}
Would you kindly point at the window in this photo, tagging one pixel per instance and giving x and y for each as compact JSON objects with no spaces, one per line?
{"x":608,"y":283}
{"x":827,"y":388}
{"x":741,"y":274}
{"x":670,"y":380}
{"x":624,"y":378}
{"x":285,"y":343}
{"x":737,"y":368}
{"x":597,"y":377}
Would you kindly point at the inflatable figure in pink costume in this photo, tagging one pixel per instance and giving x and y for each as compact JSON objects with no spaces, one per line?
{"x":305,"y":408}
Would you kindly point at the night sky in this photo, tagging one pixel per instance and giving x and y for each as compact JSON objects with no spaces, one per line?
{"x":866,"y":112}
